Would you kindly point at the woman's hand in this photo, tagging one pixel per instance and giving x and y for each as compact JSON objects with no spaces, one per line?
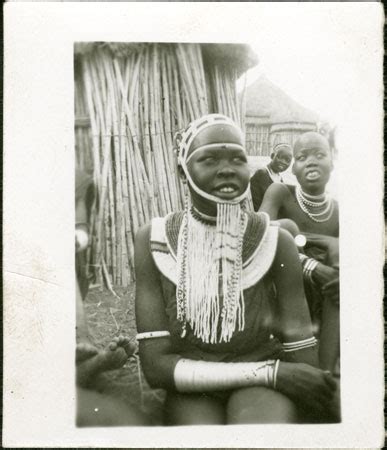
{"x":323,"y":274}
{"x":328,"y":243}
{"x":329,"y":280}
{"x":308,"y":386}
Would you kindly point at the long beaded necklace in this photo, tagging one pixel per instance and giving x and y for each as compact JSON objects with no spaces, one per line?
{"x":206,"y":255}
{"x":306,"y":205}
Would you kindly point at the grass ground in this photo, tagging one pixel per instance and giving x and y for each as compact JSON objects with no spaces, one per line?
{"x":108,"y":316}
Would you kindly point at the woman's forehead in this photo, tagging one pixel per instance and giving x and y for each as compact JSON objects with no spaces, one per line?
{"x":314,"y":147}
{"x":284,"y":151}
{"x":220,"y":150}
{"x":217,"y":134}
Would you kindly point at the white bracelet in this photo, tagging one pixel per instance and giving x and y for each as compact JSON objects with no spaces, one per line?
{"x":152,"y":334}
{"x":302,"y":257}
{"x":202,"y":376}
{"x":309,"y":264}
{"x":276,"y":367}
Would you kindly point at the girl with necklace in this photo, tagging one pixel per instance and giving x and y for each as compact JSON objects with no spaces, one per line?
{"x":211,"y":331}
{"x":281,"y":157}
{"x":316,"y":215}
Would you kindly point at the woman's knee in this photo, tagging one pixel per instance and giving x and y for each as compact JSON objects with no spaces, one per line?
{"x":260,"y":405}
{"x":290,"y":226}
{"x":193,"y":409}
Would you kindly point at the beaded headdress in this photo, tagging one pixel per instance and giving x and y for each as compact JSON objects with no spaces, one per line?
{"x":209,"y":256}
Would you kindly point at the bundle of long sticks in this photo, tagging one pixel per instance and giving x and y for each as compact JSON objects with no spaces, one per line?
{"x":135,"y":98}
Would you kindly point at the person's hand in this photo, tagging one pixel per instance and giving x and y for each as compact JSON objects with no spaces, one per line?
{"x":323,"y":274}
{"x":328,"y":243}
{"x":313,"y":389}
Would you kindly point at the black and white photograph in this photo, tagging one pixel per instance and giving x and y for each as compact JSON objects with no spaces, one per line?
{"x":229,"y":306}
{"x":215,"y":177}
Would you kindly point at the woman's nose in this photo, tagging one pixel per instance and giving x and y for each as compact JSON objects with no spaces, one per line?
{"x":311,"y":161}
{"x":226,"y":170}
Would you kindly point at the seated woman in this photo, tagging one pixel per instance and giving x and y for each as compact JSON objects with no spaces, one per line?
{"x":281,"y":157}
{"x":211,"y":331}
{"x":316,"y":215}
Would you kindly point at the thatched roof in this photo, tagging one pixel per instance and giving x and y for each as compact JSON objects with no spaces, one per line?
{"x":267,"y":101}
{"x":239,"y":57}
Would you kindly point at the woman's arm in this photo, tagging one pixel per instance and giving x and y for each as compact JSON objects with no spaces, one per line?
{"x":157,"y":358}
{"x":298,"y":376}
{"x":294,"y":320}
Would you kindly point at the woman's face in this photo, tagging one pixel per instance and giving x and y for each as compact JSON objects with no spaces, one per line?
{"x":312,"y":167}
{"x":218,"y":171}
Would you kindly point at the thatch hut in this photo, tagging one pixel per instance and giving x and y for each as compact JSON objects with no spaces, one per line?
{"x":273,"y":117}
{"x":130,"y":99}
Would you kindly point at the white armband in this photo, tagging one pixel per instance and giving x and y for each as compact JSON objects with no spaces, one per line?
{"x":299,"y":345}
{"x":202,"y":376}
{"x":152,"y":334}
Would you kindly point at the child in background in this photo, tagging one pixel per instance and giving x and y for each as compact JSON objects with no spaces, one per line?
{"x":281,"y":157}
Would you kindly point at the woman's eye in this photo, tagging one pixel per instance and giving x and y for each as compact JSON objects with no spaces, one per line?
{"x":208,"y":159}
{"x":240,"y":159}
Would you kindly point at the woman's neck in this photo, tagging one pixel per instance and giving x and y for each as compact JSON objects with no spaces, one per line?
{"x":314,"y":192}
{"x":202,"y":206}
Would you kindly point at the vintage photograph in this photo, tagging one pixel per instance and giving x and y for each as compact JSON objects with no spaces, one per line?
{"x":207,"y":240}
{"x":220,"y":166}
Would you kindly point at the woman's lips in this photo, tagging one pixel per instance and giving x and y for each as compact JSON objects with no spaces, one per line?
{"x":313,"y":175}
{"x":226,"y":190}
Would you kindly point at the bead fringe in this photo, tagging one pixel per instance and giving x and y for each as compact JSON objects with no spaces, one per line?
{"x":209,"y":258}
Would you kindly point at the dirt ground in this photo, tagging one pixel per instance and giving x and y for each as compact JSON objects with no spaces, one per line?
{"x":108,"y":316}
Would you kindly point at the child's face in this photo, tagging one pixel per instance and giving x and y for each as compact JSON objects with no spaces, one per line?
{"x":312,"y":166}
{"x":220,"y":171}
{"x":281,"y":160}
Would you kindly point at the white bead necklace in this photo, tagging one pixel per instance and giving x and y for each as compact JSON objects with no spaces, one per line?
{"x":313,"y":200}
{"x":305,"y":204}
